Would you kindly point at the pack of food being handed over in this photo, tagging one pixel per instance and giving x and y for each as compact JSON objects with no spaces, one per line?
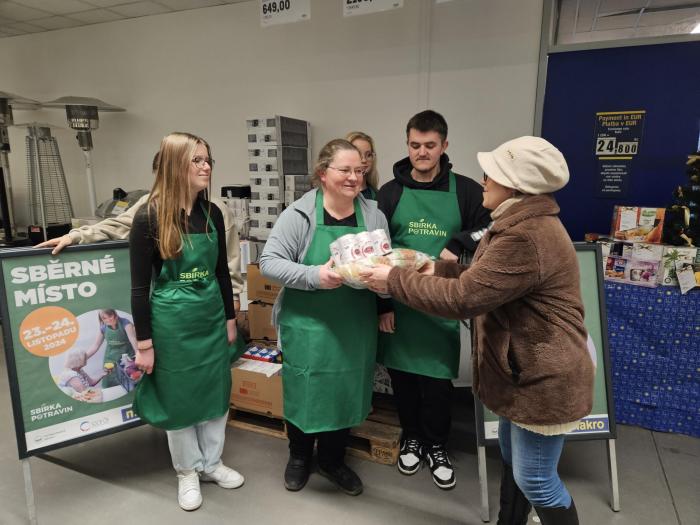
{"x":353,"y":253}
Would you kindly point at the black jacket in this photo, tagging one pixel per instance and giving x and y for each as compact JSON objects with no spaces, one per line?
{"x":474,"y":215}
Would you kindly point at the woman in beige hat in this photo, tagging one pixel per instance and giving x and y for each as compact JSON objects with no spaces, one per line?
{"x":531,"y":363}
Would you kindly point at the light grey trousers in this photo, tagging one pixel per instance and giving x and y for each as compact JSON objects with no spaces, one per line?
{"x":198,"y":447}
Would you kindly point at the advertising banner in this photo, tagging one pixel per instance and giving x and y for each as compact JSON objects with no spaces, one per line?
{"x":69,"y":343}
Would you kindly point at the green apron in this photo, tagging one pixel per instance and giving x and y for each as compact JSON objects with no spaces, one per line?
{"x":424,"y":220}
{"x":329,"y":342}
{"x":191,"y":379}
{"x":117,"y":344}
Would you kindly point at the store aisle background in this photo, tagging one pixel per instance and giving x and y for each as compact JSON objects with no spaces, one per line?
{"x":127,"y":477}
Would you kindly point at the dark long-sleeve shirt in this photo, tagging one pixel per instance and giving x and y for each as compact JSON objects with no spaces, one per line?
{"x":146,"y":261}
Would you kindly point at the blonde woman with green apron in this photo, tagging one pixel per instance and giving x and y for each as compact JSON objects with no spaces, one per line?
{"x":327,"y":331}
{"x":185,"y":322}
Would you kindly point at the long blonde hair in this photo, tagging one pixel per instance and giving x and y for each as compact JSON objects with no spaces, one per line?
{"x":371,"y":177}
{"x":171,"y":190}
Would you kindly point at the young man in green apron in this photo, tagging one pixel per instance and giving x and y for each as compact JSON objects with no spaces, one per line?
{"x":433,"y":210}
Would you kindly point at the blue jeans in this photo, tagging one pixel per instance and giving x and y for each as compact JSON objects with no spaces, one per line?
{"x":534,"y":459}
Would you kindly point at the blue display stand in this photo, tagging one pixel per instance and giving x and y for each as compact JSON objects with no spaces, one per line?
{"x":660,"y":79}
{"x":654,"y":340}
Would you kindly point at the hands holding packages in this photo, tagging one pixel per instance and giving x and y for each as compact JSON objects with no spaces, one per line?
{"x":401,"y":257}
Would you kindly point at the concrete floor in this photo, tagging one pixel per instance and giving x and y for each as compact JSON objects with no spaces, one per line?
{"x":127,"y":478}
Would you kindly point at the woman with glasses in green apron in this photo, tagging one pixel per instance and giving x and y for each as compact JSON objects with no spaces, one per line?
{"x":327,"y":332}
{"x":184,"y":316}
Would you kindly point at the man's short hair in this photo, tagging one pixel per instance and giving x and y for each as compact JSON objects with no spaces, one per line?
{"x":428,"y":120}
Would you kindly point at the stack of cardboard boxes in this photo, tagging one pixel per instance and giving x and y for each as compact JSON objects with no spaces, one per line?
{"x":257,"y":384}
{"x":277,"y":147}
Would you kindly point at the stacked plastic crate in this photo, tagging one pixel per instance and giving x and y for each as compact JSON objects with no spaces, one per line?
{"x":278,"y":149}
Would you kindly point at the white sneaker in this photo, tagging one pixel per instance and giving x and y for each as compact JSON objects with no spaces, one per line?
{"x":188,"y":494}
{"x":224,"y":476}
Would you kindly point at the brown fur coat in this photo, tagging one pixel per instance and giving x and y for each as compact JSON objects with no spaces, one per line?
{"x":530,"y":359}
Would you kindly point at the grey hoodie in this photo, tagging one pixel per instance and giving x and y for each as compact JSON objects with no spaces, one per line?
{"x":284,"y":251}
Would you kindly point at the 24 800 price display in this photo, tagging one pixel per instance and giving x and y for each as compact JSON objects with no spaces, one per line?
{"x":277,"y":6}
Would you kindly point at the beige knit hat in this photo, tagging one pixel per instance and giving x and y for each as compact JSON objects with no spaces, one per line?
{"x":528,"y":164}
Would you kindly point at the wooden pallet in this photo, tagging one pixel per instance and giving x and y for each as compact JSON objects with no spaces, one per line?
{"x":259,"y":423}
{"x":384,"y":410}
{"x":375,"y":441}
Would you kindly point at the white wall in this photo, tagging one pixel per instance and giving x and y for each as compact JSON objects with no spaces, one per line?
{"x":207,"y":70}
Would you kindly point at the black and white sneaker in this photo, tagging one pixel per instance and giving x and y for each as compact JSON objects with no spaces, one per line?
{"x":410,"y":456}
{"x":441,"y":468}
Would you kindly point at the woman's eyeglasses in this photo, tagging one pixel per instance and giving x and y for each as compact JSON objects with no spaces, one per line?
{"x":367,"y":156}
{"x":201,"y":161}
{"x":486,"y":177}
{"x":359,"y":172}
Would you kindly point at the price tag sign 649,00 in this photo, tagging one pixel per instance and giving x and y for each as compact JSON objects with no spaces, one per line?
{"x":274,"y":12}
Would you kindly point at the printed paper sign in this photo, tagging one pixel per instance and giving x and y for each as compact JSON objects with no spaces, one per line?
{"x":274,"y":12}
{"x":364,"y":7}
{"x":618,"y":135}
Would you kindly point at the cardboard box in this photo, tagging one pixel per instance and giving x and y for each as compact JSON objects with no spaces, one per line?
{"x":633,"y":223}
{"x":258,"y":124}
{"x":261,"y":153}
{"x":259,"y":166}
{"x":270,"y":208}
{"x":297,"y":182}
{"x":260,"y":288}
{"x":267,"y":194}
{"x":291,"y":195}
{"x":257,"y":387}
{"x":259,"y":234}
{"x":260,"y":319}
{"x":262,"y":222}
{"x":266,"y":179}
{"x":257,"y":138}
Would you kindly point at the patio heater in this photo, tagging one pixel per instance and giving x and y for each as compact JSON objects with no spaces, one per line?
{"x":82,"y":114}
{"x":50,"y":208}
{"x":8,"y":233}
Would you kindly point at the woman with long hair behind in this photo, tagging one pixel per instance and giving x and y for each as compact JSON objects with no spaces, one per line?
{"x":365,"y":145}
{"x":184,"y":316}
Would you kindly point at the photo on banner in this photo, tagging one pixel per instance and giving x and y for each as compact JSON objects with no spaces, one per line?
{"x":600,"y":423}
{"x":69,"y":343}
